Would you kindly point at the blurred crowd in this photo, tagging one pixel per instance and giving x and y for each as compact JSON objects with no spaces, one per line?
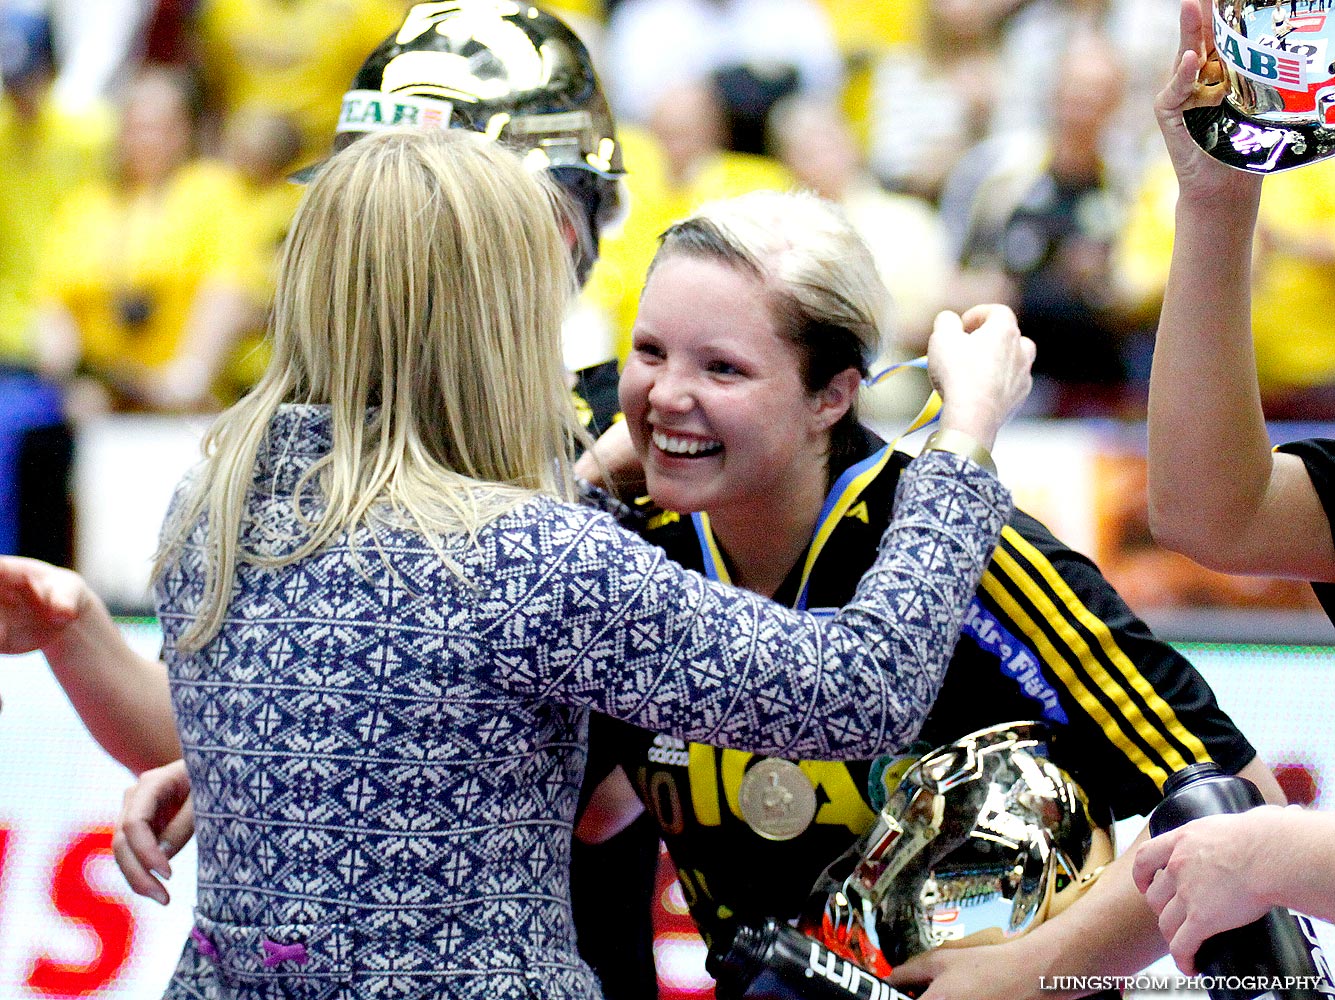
{"x":998,"y":150}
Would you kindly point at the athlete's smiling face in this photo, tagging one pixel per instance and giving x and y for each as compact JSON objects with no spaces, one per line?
{"x":713,"y":394}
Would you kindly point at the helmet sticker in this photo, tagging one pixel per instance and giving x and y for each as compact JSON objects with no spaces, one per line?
{"x":375,"y":111}
{"x":1304,"y":22}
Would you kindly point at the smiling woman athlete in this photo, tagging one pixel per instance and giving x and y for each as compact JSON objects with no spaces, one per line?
{"x":755,"y":326}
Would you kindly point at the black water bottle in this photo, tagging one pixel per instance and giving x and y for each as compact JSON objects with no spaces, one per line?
{"x":776,"y":962}
{"x":1277,"y":955}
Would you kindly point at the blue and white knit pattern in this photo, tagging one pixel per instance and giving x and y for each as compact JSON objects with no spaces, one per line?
{"x":386,"y":755}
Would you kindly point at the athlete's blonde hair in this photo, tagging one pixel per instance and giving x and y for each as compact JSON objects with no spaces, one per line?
{"x":420,"y":297}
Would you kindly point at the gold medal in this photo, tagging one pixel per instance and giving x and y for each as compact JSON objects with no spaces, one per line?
{"x":777,"y":799}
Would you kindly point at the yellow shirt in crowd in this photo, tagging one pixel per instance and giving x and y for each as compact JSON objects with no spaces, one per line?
{"x":1291,"y":286}
{"x":653,"y":205}
{"x":295,"y":57}
{"x":269,"y":213}
{"x":41,"y":161}
{"x":128,"y":265}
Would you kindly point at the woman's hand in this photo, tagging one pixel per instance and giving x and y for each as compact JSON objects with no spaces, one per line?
{"x":1206,"y":877}
{"x":1198,"y":81}
{"x":121,"y":696}
{"x":979,"y":972}
{"x":157,"y":819}
{"x":38,"y":602}
{"x":980,"y":364}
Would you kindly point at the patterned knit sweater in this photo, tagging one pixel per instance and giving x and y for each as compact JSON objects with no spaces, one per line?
{"x":386,"y":750}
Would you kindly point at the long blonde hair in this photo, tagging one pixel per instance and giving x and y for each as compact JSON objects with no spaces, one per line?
{"x":420,"y":297}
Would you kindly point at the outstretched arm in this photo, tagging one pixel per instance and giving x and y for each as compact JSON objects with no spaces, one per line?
{"x":121,"y":696}
{"x":1217,"y":493}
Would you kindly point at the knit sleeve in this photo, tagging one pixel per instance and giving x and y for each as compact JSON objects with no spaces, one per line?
{"x":583,"y":613}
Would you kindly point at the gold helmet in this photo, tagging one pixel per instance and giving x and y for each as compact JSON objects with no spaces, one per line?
{"x":980,"y":841}
{"x":1276,"y":63}
{"x":510,"y":71}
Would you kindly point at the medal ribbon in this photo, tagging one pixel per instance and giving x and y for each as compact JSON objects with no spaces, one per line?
{"x":930,"y":409}
{"x":843,"y":494}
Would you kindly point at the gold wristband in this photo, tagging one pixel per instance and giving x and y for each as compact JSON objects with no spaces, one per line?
{"x":959,"y":443}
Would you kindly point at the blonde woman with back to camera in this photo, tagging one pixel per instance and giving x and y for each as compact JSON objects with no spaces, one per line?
{"x":384,"y":629}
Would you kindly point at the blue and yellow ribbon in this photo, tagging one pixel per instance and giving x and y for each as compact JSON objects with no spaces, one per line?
{"x":930,"y":409}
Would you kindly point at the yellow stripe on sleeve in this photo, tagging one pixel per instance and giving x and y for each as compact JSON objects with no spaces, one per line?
{"x":1099,"y":629}
{"x":1063,"y":669}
